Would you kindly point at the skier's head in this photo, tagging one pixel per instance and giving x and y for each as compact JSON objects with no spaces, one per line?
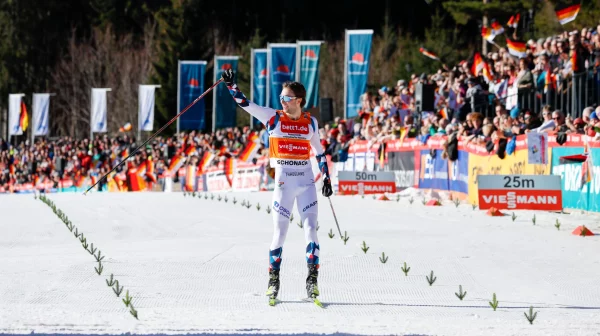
{"x":295,"y":90}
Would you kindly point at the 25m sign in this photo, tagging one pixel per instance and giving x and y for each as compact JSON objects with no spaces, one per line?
{"x":520,"y":192}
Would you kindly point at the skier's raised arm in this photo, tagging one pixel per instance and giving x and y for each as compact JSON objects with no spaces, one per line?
{"x":259,"y":112}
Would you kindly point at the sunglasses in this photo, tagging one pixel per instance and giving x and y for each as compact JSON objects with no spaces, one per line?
{"x":286,"y":98}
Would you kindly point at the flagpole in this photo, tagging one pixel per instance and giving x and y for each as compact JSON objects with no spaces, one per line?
{"x":251,"y":84}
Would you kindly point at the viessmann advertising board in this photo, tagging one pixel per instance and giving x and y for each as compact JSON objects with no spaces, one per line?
{"x":362,"y":182}
{"x":520,"y":192}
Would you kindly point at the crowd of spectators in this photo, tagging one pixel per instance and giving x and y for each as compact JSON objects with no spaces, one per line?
{"x":479,"y":108}
{"x":389,"y":114}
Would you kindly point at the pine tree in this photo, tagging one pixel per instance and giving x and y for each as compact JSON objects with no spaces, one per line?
{"x":170,"y":41}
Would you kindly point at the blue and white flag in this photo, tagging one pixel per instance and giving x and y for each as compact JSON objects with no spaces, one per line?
{"x":99,"y":110}
{"x":259,"y":79}
{"x":146,"y":107}
{"x":308,"y":70}
{"x":41,"y":113}
{"x":190,"y":85}
{"x":14,"y":114}
{"x":356,"y":69}
{"x":282,"y":68}
{"x":224,"y":107}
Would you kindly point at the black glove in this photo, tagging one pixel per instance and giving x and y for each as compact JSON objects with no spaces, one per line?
{"x":227,"y":76}
{"x":327,"y":191}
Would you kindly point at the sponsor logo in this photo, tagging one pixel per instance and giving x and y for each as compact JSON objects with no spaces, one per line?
{"x":292,"y":162}
{"x":294,"y":174}
{"x":368,"y":188}
{"x":512,"y":200}
{"x":294,"y":128}
{"x":309,"y":206}
{"x":281,"y":210}
{"x":292,"y":148}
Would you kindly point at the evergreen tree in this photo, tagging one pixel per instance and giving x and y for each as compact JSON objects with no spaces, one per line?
{"x":169,"y":42}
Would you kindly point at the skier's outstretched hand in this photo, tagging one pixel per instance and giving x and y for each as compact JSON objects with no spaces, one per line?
{"x":227,"y":76}
{"x":327,"y":191}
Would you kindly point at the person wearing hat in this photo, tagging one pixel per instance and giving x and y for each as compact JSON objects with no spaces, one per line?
{"x":577,"y":126}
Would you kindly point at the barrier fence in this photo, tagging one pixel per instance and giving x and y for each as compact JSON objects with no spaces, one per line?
{"x":422,"y":166}
{"x":413,"y":164}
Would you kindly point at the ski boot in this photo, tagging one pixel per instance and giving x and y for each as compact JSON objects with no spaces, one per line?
{"x":273,"y":289}
{"x":312,"y":289}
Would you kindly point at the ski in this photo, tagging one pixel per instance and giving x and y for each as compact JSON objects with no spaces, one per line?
{"x":315,"y":301}
{"x":272,"y":302}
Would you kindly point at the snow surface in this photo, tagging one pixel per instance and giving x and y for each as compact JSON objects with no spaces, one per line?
{"x":196,"y":266}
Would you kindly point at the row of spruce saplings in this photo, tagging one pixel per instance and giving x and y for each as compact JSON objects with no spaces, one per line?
{"x":110,"y":282}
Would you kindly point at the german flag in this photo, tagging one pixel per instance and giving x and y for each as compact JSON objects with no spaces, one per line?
{"x":206,"y":160}
{"x":229,"y":170}
{"x":477,"y":65}
{"x":429,"y":54}
{"x":150,"y":170}
{"x":567,"y":13}
{"x":176,"y":162}
{"x":135,"y":182}
{"x":23,"y":118}
{"x":248,"y":153}
{"x":513,"y":22}
{"x":497,"y":28}
{"x":487,"y":34}
{"x":189,"y":150}
{"x":516,"y":48}
{"x":190,"y":178}
{"x":480,"y":65}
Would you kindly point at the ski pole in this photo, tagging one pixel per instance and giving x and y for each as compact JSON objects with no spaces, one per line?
{"x":335,"y":217}
{"x":157,"y":132}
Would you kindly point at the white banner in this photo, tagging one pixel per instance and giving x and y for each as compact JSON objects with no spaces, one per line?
{"x":14,"y":114}
{"x":537,"y":148}
{"x":247,"y":179}
{"x":41,"y":113}
{"x":146,"y":107}
{"x":99,"y":110}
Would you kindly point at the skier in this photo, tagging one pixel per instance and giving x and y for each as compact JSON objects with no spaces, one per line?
{"x":291,"y":135}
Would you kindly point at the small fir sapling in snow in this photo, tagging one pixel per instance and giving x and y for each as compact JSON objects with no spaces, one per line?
{"x":268,"y":208}
{"x":411,"y":200}
{"x":127,"y":299}
{"x":331,"y":234}
{"x":117,"y":289}
{"x":365,"y":248}
{"x":513,"y":216}
{"x":532,"y":315}
{"x":110,"y":282}
{"x":258,"y":206}
{"x":405,"y":269}
{"x":431,"y":279}
{"x":383,"y":258}
{"x":557,"y":225}
{"x":98,"y":257}
{"x":345,"y":237}
{"x":133,"y":311}
{"x":461,"y":295}
{"x":494,"y":302}
{"x":99,"y":269}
